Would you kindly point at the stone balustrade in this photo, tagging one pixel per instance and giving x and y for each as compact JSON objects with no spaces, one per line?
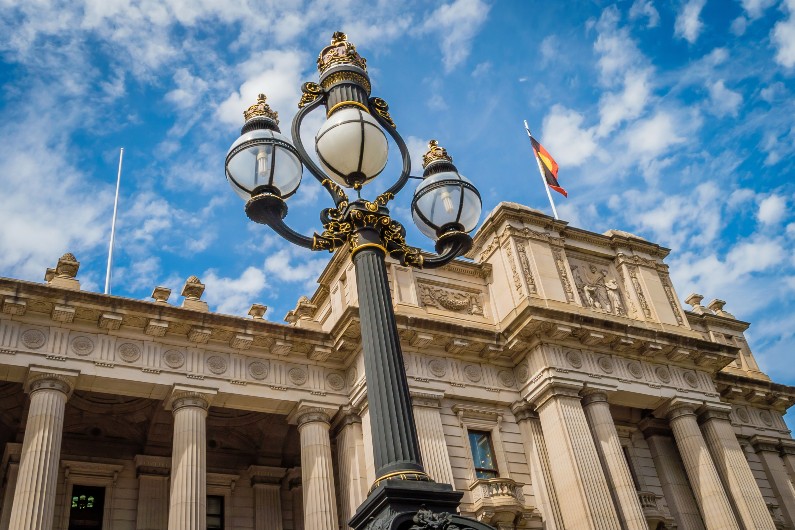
{"x":494,"y":488}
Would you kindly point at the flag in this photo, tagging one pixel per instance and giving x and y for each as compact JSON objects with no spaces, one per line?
{"x":548,"y":166}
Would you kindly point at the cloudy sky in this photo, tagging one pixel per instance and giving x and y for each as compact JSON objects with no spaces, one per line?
{"x":669,"y":119}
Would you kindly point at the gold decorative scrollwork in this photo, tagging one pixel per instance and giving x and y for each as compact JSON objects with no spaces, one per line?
{"x":382,"y":109}
{"x":334,"y":188}
{"x":309,"y":93}
{"x":379,"y":201}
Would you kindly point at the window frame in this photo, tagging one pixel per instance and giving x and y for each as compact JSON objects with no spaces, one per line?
{"x":483,"y":419}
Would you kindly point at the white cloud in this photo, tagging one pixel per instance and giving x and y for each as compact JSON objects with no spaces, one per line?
{"x":688,"y":24}
{"x":645,"y":9}
{"x":565,"y":138}
{"x":772,"y":209}
{"x":739,"y":25}
{"x":724,"y":101}
{"x":783,"y":36}
{"x":234,"y":296}
{"x":189,"y":89}
{"x":650,"y":137}
{"x":618,"y":53}
{"x":756,"y":8}
{"x":456,"y":24}
{"x":615,"y":108}
{"x":293,"y":264}
{"x":277,"y":74}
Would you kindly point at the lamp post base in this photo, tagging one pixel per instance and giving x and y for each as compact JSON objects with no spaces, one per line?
{"x":412,"y":505}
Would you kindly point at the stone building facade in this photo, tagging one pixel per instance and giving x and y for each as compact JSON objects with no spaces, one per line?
{"x":556,"y":380}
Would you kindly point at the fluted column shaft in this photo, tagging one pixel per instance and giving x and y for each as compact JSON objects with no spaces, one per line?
{"x":707,"y":488}
{"x":152,"y":502}
{"x":34,"y":497}
{"x":317,"y":475}
{"x":351,"y":465}
{"x":433,"y":445}
{"x":767,"y":450}
{"x":576,"y":471}
{"x":395,"y":444}
{"x":536,"y":450}
{"x":616,"y":468}
{"x":188,"y":501}
{"x":673,"y":479}
{"x":267,"y":507}
{"x":750,"y":508}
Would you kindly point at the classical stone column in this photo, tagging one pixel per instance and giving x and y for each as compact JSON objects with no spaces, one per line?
{"x":351,"y":463}
{"x":749,"y":506}
{"x":34,"y":497}
{"x":433,"y":446}
{"x":536,"y":450}
{"x":317,"y":475}
{"x":11,"y":468}
{"x":188,"y":501}
{"x":297,"y":495}
{"x":767,"y":450}
{"x":671,"y":471}
{"x":614,"y":463}
{"x":787,"y":449}
{"x":576,"y":471}
{"x":707,"y":487}
{"x":153,"y":472}
{"x":266,"y":483}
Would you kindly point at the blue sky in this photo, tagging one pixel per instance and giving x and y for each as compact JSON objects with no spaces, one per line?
{"x":672,"y":120}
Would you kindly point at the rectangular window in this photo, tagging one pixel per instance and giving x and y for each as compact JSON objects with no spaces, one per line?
{"x":88,"y":506}
{"x":482,"y":454}
{"x":215,"y":512}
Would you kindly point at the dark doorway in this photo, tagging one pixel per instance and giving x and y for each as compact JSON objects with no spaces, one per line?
{"x":88,"y":505}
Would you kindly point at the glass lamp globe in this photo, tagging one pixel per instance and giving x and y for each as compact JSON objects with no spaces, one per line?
{"x":263,"y":160}
{"x":351,"y":147}
{"x":446,"y":201}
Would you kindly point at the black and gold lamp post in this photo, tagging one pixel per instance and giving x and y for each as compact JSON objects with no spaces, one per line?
{"x":265,"y":169}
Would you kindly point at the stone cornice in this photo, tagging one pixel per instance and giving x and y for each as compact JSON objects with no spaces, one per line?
{"x":523,"y":411}
{"x":764,"y":443}
{"x":266,"y":474}
{"x":714,"y":411}
{"x":153,"y":465}
{"x":737,"y":389}
{"x":651,"y":426}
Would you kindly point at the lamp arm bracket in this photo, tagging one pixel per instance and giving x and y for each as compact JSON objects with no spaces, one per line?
{"x":281,"y":228}
{"x":312,"y":96}
{"x":380,"y":111}
{"x":448,"y":247}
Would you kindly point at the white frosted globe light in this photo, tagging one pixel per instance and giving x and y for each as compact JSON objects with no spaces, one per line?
{"x":351,"y":147}
{"x":445,"y":201}
{"x":263,"y":159}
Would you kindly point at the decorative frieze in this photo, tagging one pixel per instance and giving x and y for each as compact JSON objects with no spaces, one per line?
{"x":560,"y":263}
{"x":454,"y":300}
{"x":598,"y":288}
{"x":527,"y":273}
{"x":669,"y":294}
{"x":633,"y":275}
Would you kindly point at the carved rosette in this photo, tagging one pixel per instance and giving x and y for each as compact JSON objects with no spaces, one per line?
{"x":691,"y":379}
{"x":335,"y":381}
{"x":506,"y":378}
{"x":437,"y":367}
{"x":663,"y":374}
{"x":606,"y":364}
{"x":473,"y":372}
{"x":129,"y":352}
{"x":574,"y":358}
{"x":174,"y":358}
{"x":34,"y":339}
{"x":297,"y":376}
{"x":635,"y":369}
{"x":82,"y":346}
{"x":258,"y":370}
{"x":217,"y":364}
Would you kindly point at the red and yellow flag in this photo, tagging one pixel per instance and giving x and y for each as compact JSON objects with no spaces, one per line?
{"x":548,"y":166}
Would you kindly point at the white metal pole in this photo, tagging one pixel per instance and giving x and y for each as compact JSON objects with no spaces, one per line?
{"x":541,"y":172}
{"x":113,"y":225}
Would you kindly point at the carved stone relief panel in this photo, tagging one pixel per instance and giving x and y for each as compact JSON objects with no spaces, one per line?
{"x":598,"y":285}
{"x":456,"y":300}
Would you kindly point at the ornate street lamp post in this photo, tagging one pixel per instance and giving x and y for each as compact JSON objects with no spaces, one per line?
{"x":265,"y":168}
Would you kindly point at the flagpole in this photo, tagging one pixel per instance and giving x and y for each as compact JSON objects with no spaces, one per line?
{"x":113,"y":225}
{"x":541,"y":172}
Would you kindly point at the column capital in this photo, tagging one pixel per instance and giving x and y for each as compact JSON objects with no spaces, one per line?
{"x":764,"y":444}
{"x":651,"y":426}
{"x":557,"y":390}
{"x":523,"y":411}
{"x":42,"y":377}
{"x":266,"y":475}
{"x":787,"y":446}
{"x":190,"y":396}
{"x":714,"y":411}
{"x":593,"y":395}
{"x":679,"y":407}
{"x":347,"y":415}
{"x":307,"y":412}
{"x":426,"y":398}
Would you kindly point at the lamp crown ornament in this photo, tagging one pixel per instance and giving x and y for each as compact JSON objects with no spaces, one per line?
{"x":434,"y":154}
{"x":340,"y":51}
{"x":261,"y":109}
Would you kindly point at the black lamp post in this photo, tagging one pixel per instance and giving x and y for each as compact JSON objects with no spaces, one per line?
{"x":264,"y":168}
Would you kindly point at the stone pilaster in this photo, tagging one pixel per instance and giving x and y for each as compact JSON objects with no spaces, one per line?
{"x":750,"y":508}
{"x":188,"y":500}
{"x":351,"y":464}
{"x":34,"y":497}
{"x":614,"y":463}
{"x":297,"y":496}
{"x":767,"y":450}
{"x":266,"y":483}
{"x":433,"y":446}
{"x":671,"y":471}
{"x":708,"y":490}
{"x":153,"y":473}
{"x":10,"y":474}
{"x":576,"y":471}
{"x":536,"y":450}
{"x":317,"y":475}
